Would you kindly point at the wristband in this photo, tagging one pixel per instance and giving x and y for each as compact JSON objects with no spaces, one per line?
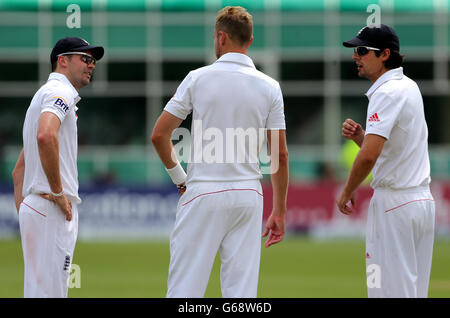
{"x":177,"y":174}
{"x":57,"y":194}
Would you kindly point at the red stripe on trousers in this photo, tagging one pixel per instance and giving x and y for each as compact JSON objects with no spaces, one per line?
{"x":408,"y":203}
{"x":220,"y":192}
{"x":34,"y":209}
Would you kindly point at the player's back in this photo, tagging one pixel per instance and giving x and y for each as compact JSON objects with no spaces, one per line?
{"x":232,"y":104}
{"x":238,"y":96}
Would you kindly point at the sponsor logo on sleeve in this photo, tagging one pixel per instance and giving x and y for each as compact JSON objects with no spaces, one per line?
{"x":374,"y":117}
{"x":61,"y":103}
{"x":373,"y":120}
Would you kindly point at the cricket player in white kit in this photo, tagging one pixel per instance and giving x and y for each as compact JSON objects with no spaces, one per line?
{"x":222,"y":206}
{"x":400,"y":222}
{"x":46,"y":175}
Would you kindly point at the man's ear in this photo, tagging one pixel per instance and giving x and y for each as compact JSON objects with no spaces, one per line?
{"x":251,"y":41}
{"x":385,"y":55}
{"x":222,"y":37}
{"x":62,"y":61}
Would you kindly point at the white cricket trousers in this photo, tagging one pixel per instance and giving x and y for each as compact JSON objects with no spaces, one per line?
{"x":211,"y":217}
{"x":399,"y":243}
{"x":48,"y":242}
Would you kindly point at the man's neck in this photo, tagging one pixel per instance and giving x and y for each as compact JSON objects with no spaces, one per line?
{"x":68,"y":78}
{"x":234,"y":50}
{"x":373,"y":79}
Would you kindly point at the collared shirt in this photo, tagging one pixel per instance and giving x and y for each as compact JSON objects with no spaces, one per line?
{"x":59,"y":97}
{"x":232,"y":106}
{"x":396,"y":112}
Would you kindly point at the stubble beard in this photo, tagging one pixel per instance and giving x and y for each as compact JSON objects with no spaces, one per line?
{"x":85,"y":82}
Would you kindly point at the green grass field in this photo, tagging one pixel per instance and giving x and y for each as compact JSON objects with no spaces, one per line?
{"x":296,"y":268}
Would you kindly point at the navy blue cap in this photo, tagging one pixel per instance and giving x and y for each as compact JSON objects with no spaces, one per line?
{"x":382,"y":37}
{"x":69,"y":44}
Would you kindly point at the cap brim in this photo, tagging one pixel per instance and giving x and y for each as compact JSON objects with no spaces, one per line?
{"x":354,"y":43}
{"x":97,"y":51}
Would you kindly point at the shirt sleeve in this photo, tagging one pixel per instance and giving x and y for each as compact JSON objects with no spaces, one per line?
{"x":276,"y":119}
{"x":180,"y":105}
{"x":57,"y":102}
{"x":382,"y":114}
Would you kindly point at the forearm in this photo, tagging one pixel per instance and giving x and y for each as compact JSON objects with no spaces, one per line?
{"x":280,"y":182}
{"x":359,"y":172}
{"x":49,"y":155}
{"x":18,"y":174}
{"x":166,"y":152}
{"x":275,"y":224}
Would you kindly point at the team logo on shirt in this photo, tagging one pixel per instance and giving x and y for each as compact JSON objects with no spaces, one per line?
{"x":60,"y":102}
{"x":374,"y":117}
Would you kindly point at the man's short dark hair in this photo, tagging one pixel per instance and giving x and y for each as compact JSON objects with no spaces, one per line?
{"x":395,"y":59}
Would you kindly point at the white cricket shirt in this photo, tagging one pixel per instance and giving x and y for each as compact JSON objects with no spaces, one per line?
{"x":59,"y":97}
{"x":396,"y":112}
{"x":232,"y":106}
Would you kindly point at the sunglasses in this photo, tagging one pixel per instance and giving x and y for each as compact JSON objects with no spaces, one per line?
{"x":363,"y":50}
{"x":86,"y":58}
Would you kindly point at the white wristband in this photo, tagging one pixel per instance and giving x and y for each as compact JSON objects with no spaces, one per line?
{"x":57,"y":194}
{"x":177,"y":174}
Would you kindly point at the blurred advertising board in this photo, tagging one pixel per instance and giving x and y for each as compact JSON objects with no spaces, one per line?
{"x":149,"y":212}
{"x":110,"y":212}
